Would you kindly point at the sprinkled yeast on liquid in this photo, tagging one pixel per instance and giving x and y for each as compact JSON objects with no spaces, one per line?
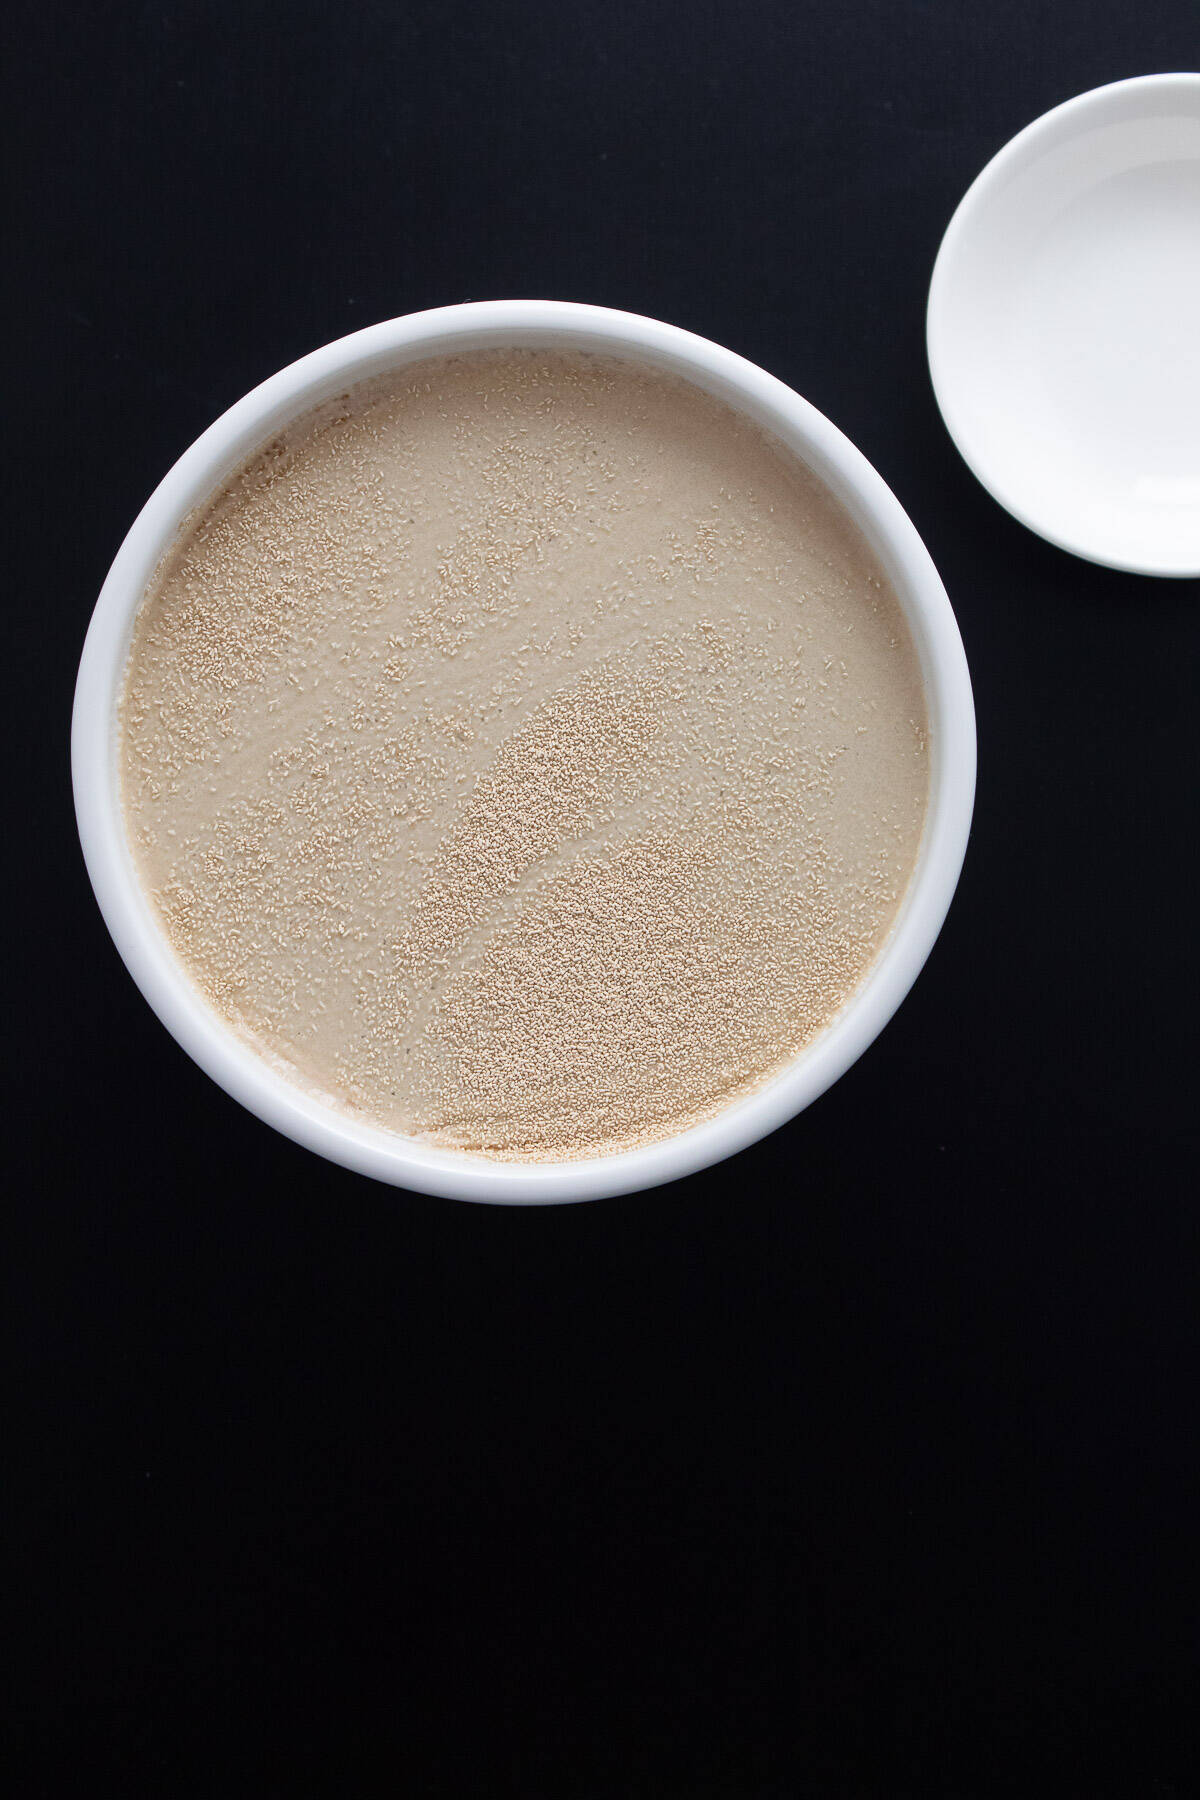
{"x":525,"y":751}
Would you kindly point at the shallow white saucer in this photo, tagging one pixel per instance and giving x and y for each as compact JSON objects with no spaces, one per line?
{"x":1064,"y":325}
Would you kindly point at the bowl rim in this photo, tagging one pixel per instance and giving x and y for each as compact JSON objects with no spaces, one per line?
{"x":243,"y":1071}
{"x":1034,"y":139}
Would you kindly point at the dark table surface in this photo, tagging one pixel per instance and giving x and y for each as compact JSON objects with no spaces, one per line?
{"x":863,"y":1465}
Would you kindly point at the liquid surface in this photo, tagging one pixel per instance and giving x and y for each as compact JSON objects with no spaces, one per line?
{"x":525,"y":751}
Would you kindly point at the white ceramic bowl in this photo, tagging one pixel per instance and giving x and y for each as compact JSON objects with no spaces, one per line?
{"x":1064,"y":326}
{"x":223,"y":446}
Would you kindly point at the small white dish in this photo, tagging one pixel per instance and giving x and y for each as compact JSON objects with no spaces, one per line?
{"x":1064,"y":326}
{"x":264,"y":1089}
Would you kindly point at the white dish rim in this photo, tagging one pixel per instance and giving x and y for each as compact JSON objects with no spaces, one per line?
{"x":241,"y":1070}
{"x":1079,"y":110}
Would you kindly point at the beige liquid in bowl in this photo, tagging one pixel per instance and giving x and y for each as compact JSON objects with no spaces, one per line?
{"x":525,"y":752}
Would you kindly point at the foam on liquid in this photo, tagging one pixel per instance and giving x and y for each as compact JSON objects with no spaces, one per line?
{"x":526,"y":751}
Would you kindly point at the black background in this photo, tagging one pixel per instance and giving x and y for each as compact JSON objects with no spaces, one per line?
{"x":863,"y":1465}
